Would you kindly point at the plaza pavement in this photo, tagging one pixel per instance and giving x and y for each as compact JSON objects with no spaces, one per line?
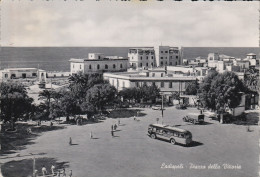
{"x":131,"y":153}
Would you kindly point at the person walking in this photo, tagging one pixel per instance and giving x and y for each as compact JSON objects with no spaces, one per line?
{"x":44,"y":170}
{"x":52,"y":170}
{"x":118,"y":121}
{"x":70,"y":174}
{"x":91,"y":135}
{"x":70,"y":142}
{"x":112,"y":128}
{"x":64,"y":173}
{"x":112,"y":133}
{"x":115,"y":127}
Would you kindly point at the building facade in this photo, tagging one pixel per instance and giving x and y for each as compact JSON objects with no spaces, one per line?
{"x":141,"y":57}
{"x":166,"y":83}
{"x":98,"y":63}
{"x":167,"y":56}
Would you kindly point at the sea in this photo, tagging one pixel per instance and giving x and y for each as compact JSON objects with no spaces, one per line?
{"x":57,"y":58}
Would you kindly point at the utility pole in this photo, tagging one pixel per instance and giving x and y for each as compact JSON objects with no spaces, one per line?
{"x":162,"y":109}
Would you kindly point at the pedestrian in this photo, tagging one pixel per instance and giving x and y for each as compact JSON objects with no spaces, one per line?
{"x":118,"y":121}
{"x":44,"y":170}
{"x":134,"y":118}
{"x":52,"y":169}
{"x":35,"y":173}
{"x":112,"y":133}
{"x":70,"y":175}
{"x":112,"y":128}
{"x":115,"y":127}
{"x":91,"y":135}
{"x":64,"y":173}
{"x":70,"y":142}
{"x":58,"y":173}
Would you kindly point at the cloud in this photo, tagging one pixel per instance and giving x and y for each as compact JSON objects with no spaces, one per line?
{"x":129,"y":24}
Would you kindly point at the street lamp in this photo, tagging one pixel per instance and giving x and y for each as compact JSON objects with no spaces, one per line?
{"x":162,"y":108}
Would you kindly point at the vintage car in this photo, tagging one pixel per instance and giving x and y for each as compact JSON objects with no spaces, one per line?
{"x":194,"y":118}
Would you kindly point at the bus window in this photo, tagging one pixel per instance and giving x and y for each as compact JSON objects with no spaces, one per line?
{"x":175,"y":134}
{"x":181,"y":135}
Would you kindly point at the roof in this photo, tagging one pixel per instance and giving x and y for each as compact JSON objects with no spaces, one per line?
{"x":251,"y":54}
{"x":170,"y":127}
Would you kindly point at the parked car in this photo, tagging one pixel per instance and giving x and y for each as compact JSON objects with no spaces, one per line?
{"x":194,"y":118}
{"x":157,"y":107}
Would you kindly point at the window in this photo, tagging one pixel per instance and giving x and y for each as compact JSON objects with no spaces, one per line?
{"x":106,"y":66}
{"x":141,"y":64}
{"x":34,"y":74}
{"x":161,"y":51}
{"x":161,"y":63}
{"x":161,"y":74}
{"x":166,"y":51}
{"x":166,"y":62}
{"x":147,"y":57}
{"x":89,"y":67}
{"x":98,"y":66}
{"x":162,"y":84}
{"x":165,"y":57}
{"x":176,"y":63}
{"x":137,"y":84}
{"x":176,"y":57}
{"x":114,"y":66}
{"x":170,"y":57}
{"x":170,"y":84}
{"x":152,"y":64}
{"x":153,"y":83}
{"x":146,"y":64}
{"x":170,"y":63}
{"x":141,"y":57}
{"x":121,"y":66}
{"x":152,"y":57}
{"x":145,"y":83}
{"x":153,"y":75}
{"x":161,"y":57}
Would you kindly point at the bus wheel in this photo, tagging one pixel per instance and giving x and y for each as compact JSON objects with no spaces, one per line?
{"x":172,"y":141}
{"x":153,"y":136}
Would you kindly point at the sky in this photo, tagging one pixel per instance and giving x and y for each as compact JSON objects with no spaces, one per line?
{"x":115,"y":23}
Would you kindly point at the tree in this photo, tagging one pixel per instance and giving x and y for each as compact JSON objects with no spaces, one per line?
{"x":98,"y":96}
{"x":80,"y":83}
{"x":46,"y":96}
{"x":15,"y":102}
{"x":176,"y":96}
{"x":149,"y":93}
{"x":218,"y":91}
{"x":192,"y":88}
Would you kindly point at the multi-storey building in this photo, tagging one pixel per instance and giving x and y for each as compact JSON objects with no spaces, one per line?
{"x":167,"y":83}
{"x":141,"y":57}
{"x":98,"y":63}
{"x":167,"y":56}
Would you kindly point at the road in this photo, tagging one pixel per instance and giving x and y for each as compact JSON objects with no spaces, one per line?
{"x":131,"y":153}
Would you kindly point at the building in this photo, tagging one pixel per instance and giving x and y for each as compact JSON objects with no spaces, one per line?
{"x":98,"y":63}
{"x":165,"y":82}
{"x":167,"y":56}
{"x":141,"y":57}
{"x":17,"y":73}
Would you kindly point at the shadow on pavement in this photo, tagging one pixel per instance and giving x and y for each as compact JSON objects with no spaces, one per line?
{"x":23,"y":168}
{"x":126,"y":113}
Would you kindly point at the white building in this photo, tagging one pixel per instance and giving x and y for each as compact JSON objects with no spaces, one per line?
{"x":141,"y":57}
{"x":166,"y":83}
{"x":97,"y":62}
{"x":167,"y":56}
{"x":17,"y":73}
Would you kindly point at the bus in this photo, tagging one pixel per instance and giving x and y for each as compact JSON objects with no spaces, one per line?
{"x":172,"y":134}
